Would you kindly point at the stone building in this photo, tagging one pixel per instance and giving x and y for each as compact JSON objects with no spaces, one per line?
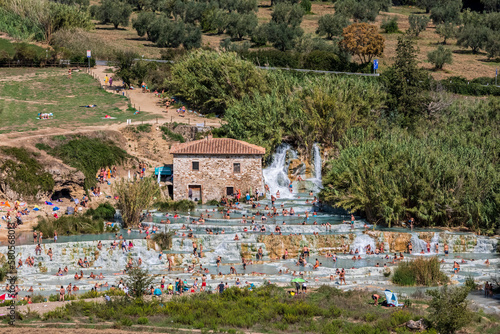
{"x":210,"y":168}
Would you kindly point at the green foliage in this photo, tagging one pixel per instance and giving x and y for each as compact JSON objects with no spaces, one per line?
{"x":164,"y":240}
{"x":440,"y":56}
{"x":440,"y":173}
{"x":405,"y":80}
{"x":211,"y":81}
{"x":104,"y":211}
{"x":446,"y":11}
{"x":470,"y":283}
{"x":114,"y":12}
{"x":164,"y":32}
{"x":4,"y":269}
{"x":327,"y":310}
{"x":419,"y":272}
{"x":491,"y":5}
{"x":446,"y":30}
{"x":70,"y":225}
{"x":493,"y":45}
{"x":304,"y":109}
{"x":19,"y":27}
{"x":418,"y":23}
{"x":473,"y":36}
{"x":361,"y":10}
{"x":142,"y":321}
{"x":306,"y":6}
{"x":241,"y":25}
{"x":390,"y":26}
{"x":172,"y":135}
{"x":24,"y":174}
{"x":449,"y":311}
{"x":332,"y":25}
{"x":89,"y":155}
{"x":135,"y":196}
{"x":462,"y":86}
{"x":143,"y":128}
{"x":183,"y":205}
{"x":139,"y":281}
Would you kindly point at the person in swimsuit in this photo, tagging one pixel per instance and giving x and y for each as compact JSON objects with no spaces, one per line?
{"x":61,"y":294}
{"x":218,"y":261}
{"x":446,"y":249}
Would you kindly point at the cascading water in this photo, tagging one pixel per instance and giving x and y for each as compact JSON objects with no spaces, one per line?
{"x":276,"y":175}
{"x":317,"y":166}
{"x":361,"y":241}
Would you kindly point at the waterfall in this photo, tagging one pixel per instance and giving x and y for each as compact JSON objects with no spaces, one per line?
{"x":317,"y":166}
{"x":485,"y":245}
{"x":361,"y":241}
{"x":419,"y":244}
{"x":276,"y":175}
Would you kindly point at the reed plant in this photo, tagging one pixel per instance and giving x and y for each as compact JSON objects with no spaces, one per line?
{"x":69,"y":225}
{"x":420,"y":271}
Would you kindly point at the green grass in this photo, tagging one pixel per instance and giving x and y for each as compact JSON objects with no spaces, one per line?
{"x":24,"y":174}
{"x":172,"y":135}
{"x":70,"y":225}
{"x":50,"y":91}
{"x":86,"y":154}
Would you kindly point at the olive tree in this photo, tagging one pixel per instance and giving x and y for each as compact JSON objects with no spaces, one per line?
{"x":332,"y":25}
{"x":439,"y":57}
{"x":418,"y":23}
{"x":115,"y":12}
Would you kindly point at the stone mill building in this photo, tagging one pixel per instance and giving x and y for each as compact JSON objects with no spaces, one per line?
{"x":211,"y":168}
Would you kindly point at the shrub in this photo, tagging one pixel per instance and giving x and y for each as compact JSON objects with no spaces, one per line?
{"x":70,"y":225}
{"x":449,"y":309}
{"x":419,"y":271}
{"x":104,"y":211}
{"x":25,"y":175}
{"x":172,"y":135}
{"x":418,"y":23}
{"x":142,"y":321}
{"x":144,"y":128}
{"x":226,"y":74}
{"x":88,"y":155}
{"x":183,"y":205}
{"x":164,"y":240}
{"x":440,"y":56}
{"x":470,"y":283}
{"x":306,"y":6}
{"x":390,"y":26}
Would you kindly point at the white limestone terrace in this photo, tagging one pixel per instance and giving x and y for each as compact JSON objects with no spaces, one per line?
{"x":359,"y":273}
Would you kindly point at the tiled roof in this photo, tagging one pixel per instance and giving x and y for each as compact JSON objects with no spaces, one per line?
{"x":217,"y":146}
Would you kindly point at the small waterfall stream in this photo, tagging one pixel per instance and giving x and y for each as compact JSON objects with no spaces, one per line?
{"x":276,"y":175}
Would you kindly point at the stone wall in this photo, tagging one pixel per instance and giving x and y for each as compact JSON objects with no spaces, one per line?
{"x":215,"y":174}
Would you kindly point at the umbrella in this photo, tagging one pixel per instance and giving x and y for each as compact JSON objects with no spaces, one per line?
{"x":6,"y":296}
{"x":298,"y":280}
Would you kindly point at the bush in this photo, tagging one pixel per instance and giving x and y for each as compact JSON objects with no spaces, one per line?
{"x":25,"y":175}
{"x":449,"y":309}
{"x":183,"y":205}
{"x":439,"y":57}
{"x":419,"y":271}
{"x":228,"y":77}
{"x":390,"y":26}
{"x":470,"y":283}
{"x":164,"y":240}
{"x":104,"y":211}
{"x":70,"y":225}
{"x":142,"y":321}
{"x":460,"y":85}
{"x":418,"y":23}
{"x":172,"y":135}
{"x":88,"y":155}
{"x":306,"y":6}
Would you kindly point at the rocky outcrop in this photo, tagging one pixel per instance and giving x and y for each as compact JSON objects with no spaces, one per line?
{"x":67,"y":180}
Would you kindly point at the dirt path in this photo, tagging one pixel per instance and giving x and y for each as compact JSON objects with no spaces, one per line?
{"x":149,"y":103}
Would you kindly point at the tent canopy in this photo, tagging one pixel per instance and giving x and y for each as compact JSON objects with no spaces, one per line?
{"x":391,"y":297}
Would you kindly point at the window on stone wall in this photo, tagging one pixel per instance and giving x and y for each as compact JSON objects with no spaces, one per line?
{"x":229,"y":191}
{"x":236,"y":167}
{"x":195,"y":165}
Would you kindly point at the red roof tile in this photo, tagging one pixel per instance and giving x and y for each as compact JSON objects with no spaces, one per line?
{"x":217,"y":146}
